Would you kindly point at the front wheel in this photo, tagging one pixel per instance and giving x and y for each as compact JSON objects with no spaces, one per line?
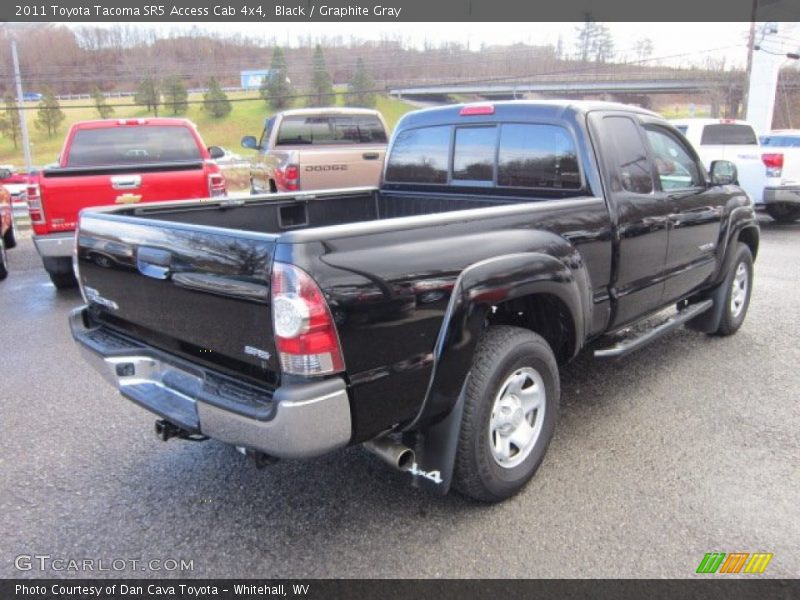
{"x":738,"y":284}
{"x":783,"y":213}
{"x":511,"y":402}
{"x":3,"y":260}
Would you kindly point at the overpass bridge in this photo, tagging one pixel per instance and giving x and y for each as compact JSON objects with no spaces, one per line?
{"x":722,"y":89}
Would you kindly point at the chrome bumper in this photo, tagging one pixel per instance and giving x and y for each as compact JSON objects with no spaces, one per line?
{"x":782,"y":195}
{"x":55,"y":245}
{"x":296,"y":421}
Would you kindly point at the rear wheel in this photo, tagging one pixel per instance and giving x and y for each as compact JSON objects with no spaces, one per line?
{"x":784,"y":213}
{"x":510,"y":409}
{"x":3,"y":259}
{"x":10,"y":237}
{"x":63,"y":281}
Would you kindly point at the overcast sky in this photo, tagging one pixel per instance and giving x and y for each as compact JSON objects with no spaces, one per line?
{"x":686,"y":42}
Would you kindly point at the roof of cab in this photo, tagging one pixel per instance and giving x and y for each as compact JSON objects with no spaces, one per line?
{"x":103,"y":123}
{"x":328,"y":110}
{"x":523,"y":110}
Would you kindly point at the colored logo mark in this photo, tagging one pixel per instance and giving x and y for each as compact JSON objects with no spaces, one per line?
{"x":734,"y":562}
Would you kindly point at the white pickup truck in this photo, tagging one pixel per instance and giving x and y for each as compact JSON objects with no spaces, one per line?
{"x":769,"y":173}
{"x":784,"y":200}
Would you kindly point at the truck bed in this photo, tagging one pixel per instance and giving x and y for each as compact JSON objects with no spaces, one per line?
{"x":193,"y":279}
{"x":278,"y":213}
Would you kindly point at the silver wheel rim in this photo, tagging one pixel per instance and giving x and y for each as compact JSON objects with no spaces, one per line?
{"x":3,"y":255}
{"x":739,"y":290}
{"x":517,"y":417}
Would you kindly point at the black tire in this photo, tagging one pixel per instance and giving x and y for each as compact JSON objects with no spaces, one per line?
{"x":733,"y":316}
{"x":10,"y":237}
{"x":63,"y":281}
{"x":503,"y":352}
{"x":783,"y":213}
{"x":3,"y":260}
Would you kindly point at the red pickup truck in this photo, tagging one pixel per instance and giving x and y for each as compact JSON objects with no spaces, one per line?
{"x":116,"y":161}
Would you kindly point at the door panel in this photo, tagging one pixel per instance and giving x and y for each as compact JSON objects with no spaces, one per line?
{"x":641,"y":217}
{"x":694,"y":212}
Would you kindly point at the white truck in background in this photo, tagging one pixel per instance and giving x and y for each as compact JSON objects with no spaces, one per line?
{"x":786,"y":198}
{"x":768,"y":173}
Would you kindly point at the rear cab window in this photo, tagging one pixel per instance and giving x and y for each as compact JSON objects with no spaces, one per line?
{"x":330,"y":130}
{"x":728,"y":134}
{"x":132,"y":144}
{"x":513,"y":157}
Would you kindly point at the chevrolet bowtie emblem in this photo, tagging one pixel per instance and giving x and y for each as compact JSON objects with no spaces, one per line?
{"x":128,"y":198}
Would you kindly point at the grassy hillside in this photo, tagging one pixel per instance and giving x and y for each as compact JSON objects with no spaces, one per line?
{"x":246,"y":118}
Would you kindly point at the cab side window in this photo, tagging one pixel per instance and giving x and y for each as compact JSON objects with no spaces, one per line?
{"x":631,"y":169}
{"x":674,"y":163}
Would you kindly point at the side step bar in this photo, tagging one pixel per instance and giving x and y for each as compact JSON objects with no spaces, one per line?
{"x":628,"y":345}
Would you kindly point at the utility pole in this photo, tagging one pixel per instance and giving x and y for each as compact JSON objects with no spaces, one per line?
{"x":23,"y":122}
{"x":751,"y":42}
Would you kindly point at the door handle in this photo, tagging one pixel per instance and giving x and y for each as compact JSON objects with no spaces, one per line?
{"x":370,"y":156}
{"x":153,"y":262}
{"x":126,"y":182}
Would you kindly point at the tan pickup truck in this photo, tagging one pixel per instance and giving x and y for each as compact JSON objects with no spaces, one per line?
{"x":318,"y":148}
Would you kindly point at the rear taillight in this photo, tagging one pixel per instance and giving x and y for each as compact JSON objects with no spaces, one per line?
{"x":305,"y":334}
{"x":34,"y":198}
{"x":288,"y":178}
{"x":774,"y":164}
{"x":217,"y":185}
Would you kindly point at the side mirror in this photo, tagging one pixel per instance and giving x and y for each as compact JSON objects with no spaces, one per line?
{"x":249,"y":141}
{"x":723,"y":172}
{"x":216,"y":152}
{"x":5,"y":173}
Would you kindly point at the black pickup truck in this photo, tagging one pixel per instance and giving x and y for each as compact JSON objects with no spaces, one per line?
{"x":426,"y":319}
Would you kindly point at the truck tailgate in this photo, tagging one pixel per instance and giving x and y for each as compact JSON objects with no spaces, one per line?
{"x":199,"y":293}
{"x":331,"y":167}
{"x":65,"y":191}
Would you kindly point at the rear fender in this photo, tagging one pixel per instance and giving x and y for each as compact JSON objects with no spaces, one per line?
{"x":480,"y":287}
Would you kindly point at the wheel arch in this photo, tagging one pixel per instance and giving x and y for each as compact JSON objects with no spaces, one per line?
{"x":489,"y":293}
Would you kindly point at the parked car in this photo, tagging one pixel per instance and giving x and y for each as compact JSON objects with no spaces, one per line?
{"x":763,"y":174}
{"x":318,"y":148}
{"x":7,"y":234}
{"x":32,"y":97}
{"x":783,"y":201}
{"x":15,"y":182}
{"x":427,"y":318}
{"x":116,"y":161}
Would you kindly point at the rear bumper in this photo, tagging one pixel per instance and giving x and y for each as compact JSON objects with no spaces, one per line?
{"x":296,"y":421}
{"x":782,"y":195}
{"x":55,"y":245}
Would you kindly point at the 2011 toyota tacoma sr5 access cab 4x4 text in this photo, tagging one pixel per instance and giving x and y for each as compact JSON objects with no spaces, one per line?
{"x":426,"y":319}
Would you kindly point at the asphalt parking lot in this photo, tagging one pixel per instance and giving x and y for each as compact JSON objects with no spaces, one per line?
{"x":690,"y":446}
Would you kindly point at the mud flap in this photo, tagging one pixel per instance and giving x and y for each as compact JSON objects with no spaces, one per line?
{"x":435,"y":452}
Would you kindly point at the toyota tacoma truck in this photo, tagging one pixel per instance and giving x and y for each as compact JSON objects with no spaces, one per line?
{"x":318,"y":148}
{"x":116,"y":161}
{"x":426,"y":319}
